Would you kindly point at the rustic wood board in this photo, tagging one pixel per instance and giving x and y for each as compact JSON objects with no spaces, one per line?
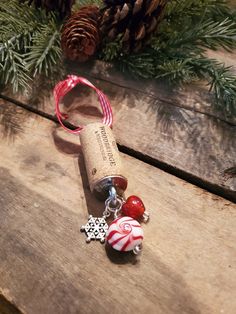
{"x":179,"y":129}
{"x":195,"y":97}
{"x":188,"y":260}
{"x":194,"y":145}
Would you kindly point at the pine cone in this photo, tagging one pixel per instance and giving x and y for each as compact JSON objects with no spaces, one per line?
{"x":80,"y":34}
{"x":61,"y":6}
{"x":133,"y":20}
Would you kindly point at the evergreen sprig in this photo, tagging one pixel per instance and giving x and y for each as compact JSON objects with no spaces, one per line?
{"x":29,"y":43}
{"x":205,"y":34}
{"x":179,"y":10}
{"x":185,"y":68}
{"x":44,"y":52}
{"x":177,"y":52}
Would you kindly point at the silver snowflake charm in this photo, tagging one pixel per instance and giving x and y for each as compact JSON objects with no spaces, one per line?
{"x":95,"y":229}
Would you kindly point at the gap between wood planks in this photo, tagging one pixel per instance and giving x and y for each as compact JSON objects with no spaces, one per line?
{"x":213,"y":188}
{"x":161,"y":99}
{"x":6,"y":307}
{"x":120,"y":81}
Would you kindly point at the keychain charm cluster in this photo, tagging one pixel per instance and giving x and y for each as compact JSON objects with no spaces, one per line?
{"x":125,"y":232}
{"x":106,"y":177}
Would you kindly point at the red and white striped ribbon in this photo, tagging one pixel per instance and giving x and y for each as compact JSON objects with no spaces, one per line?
{"x":63,"y":87}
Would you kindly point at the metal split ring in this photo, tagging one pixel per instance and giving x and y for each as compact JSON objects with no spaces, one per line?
{"x":114,"y":205}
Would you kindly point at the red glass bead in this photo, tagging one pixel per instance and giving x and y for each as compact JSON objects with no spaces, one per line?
{"x":133,"y":207}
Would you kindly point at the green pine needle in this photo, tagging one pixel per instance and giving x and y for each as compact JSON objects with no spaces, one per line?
{"x":141,"y":65}
{"x":44,"y":53}
{"x":177,"y":52}
{"x":29,"y":44}
{"x":208,"y":34}
{"x":111,"y":50}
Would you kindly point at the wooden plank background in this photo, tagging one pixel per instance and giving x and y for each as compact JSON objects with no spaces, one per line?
{"x":176,"y":129}
{"x":188,"y":260}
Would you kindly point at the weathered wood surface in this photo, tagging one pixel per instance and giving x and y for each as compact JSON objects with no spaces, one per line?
{"x":188,"y":260}
{"x":178,"y":129}
{"x":194,"y":97}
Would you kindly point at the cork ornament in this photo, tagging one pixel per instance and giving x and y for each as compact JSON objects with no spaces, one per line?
{"x":106,"y":177}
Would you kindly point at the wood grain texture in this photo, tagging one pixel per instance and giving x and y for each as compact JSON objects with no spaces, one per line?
{"x":179,"y":129}
{"x":194,"y":97}
{"x":197,"y":144}
{"x":188,"y":260}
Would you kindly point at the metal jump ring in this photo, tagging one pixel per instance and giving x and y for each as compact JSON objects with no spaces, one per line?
{"x":110,"y":201}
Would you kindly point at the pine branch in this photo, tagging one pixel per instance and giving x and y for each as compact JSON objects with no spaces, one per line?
{"x":184,"y":68}
{"x":13,"y":68}
{"x":175,"y":71}
{"x":208,"y":34}
{"x":176,"y":10}
{"x":45,"y":51}
{"x":199,"y":24}
{"x":29,"y":42}
{"x":221,"y":81}
{"x":111,"y":50}
{"x":13,"y":37}
{"x":140,"y":65}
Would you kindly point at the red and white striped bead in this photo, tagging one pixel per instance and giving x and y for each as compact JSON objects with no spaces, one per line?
{"x":124,"y":234}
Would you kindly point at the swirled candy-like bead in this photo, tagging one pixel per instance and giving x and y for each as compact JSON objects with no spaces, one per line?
{"x":124,"y":234}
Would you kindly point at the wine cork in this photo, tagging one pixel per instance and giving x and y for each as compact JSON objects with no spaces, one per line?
{"x":102,"y":159}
